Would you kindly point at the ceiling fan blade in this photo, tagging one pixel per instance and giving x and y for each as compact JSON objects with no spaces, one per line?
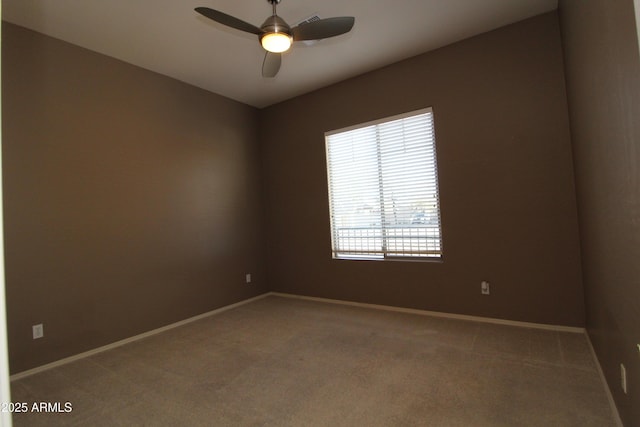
{"x":323,"y":28}
{"x":271,"y":64}
{"x":228,"y":20}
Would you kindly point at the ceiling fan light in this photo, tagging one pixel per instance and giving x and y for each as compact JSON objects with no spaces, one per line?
{"x":276,"y":42}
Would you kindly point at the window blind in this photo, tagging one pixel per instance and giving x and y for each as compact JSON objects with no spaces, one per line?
{"x":383,"y":189}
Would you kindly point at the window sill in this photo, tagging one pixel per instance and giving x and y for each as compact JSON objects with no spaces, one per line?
{"x":392,"y":259}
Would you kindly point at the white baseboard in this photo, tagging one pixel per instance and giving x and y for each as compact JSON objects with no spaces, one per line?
{"x":559,"y":328}
{"x":82,"y":355}
{"x":605,"y":384}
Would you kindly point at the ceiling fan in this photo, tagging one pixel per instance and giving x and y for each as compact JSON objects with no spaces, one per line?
{"x":276,"y":36}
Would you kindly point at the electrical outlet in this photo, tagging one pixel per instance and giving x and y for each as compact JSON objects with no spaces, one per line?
{"x":247,"y":278}
{"x":38,"y":331}
{"x":623,"y":378}
{"x":484,"y":288}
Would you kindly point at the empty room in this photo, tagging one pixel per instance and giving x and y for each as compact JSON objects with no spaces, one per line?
{"x":305,"y":213}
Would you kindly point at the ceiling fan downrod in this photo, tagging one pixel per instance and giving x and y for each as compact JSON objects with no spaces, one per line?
{"x":274,"y":3}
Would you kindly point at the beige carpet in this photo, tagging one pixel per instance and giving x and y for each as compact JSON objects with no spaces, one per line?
{"x":287,"y":362}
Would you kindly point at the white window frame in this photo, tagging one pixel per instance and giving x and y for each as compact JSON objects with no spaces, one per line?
{"x":385,"y":160}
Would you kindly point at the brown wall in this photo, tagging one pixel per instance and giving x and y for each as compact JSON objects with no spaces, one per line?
{"x":603,"y":82}
{"x":505,"y":173}
{"x":131,"y":199}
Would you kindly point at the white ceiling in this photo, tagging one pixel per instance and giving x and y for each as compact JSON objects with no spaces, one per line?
{"x":169,"y":37}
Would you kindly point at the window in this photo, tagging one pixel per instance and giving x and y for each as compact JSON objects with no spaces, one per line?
{"x":383,"y":189}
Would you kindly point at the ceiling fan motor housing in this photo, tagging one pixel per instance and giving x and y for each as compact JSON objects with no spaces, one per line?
{"x":275,"y":24}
